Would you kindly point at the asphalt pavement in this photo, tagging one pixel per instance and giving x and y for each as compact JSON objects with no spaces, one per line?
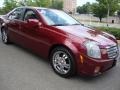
{"x":23,"y":70}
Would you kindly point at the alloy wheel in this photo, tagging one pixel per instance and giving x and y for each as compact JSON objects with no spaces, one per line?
{"x":61,"y":62}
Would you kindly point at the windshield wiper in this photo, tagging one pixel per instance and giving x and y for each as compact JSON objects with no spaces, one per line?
{"x":75,"y":24}
{"x":60,"y":25}
{"x":65,"y":24}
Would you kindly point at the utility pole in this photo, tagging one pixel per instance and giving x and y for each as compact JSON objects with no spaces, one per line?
{"x":108,"y":12}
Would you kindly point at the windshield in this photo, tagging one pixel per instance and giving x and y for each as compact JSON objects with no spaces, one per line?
{"x":57,"y":18}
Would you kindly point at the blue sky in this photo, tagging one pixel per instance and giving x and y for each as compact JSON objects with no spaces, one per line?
{"x":79,"y":2}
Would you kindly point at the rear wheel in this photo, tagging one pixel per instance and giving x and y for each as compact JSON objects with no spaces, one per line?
{"x":62,"y":62}
{"x":4,"y":35}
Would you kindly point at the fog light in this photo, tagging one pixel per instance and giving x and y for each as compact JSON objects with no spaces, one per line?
{"x":97,"y":69}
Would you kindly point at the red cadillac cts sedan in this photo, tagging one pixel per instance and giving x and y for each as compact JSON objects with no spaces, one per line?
{"x":70,"y":46}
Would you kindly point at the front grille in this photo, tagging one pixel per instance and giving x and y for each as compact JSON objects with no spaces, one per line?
{"x":112,"y":51}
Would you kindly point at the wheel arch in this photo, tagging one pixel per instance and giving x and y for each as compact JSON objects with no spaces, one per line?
{"x":72,"y":48}
{"x":57,"y":45}
{"x":2,"y":28}
{"x":71,"y":52}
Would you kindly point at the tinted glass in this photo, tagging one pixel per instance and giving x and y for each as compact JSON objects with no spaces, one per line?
{"x":16,"y":14}
{"x":56,"y":17}
{"x":30,"y":15}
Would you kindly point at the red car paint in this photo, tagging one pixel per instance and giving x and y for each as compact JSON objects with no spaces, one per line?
{"x":43,"y":38}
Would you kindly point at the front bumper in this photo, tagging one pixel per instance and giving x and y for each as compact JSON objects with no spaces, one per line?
{"x":92,"y":67}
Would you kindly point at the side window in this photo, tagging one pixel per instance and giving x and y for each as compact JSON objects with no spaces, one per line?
{"x":30,"y":15}
{"x":17,"y":14}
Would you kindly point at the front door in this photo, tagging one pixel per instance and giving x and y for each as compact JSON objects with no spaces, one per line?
{"x":33,"y":38}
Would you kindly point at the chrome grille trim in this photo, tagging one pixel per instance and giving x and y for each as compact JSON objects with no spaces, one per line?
{"x":112,"y":51}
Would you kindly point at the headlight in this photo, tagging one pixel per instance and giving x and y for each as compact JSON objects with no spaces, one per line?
{"x":93,"y":49}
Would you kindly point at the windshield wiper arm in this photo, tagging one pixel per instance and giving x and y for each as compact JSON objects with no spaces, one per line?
{"x":76,"y":24}
{"x":59,"y":24}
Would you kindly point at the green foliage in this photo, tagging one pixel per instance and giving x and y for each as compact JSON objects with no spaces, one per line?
{"x":57,"y":4}
{"x":118,"y":12}
{"x":42,"y":3}
{"x":26,"y":3}
{"x":85,"y":9}
{"x":105,"y":7}
{"x":113,"y":31}
{"x":99,"y":10}
{"x":8,"y":5}
{"x":11,"y":4}
{"x":37,"y":3}
{"x":112,"y":5}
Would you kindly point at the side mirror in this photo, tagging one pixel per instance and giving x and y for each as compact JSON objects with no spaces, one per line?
{"x":33,"y":23}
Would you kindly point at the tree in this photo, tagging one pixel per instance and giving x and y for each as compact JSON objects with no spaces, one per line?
{"x":42,"y":3}
{"x":26,"y":3}
{"x":37,"y":3}
{"x":110,"y":5}
{"x":105,"y":8}
{"x":8,"y":5}
{"x":118,"y":13}
{"x":99,"y":10}
{"x":11,"y":4}
{"x":85,"y":9}
{"x":1,"y":11}
{"x":57,"y":4}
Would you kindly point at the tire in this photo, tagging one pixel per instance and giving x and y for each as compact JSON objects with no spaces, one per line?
{"x":4,"y":35}
{"x":62,"y":62}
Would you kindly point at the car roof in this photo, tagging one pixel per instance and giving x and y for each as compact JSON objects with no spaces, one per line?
{"x":31,"y":7}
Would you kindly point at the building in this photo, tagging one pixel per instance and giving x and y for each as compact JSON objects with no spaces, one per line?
{"x":69,"y":5}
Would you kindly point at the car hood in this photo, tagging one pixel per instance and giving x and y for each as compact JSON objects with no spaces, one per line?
{"x":89,"y":33}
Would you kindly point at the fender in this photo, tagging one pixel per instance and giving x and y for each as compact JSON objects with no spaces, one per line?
{"x":71,"y":46}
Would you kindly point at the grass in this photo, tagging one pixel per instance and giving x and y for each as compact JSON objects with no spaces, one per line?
{"x":113,"y":31}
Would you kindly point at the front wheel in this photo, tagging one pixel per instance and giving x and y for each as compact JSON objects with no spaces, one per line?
{"x":4,"y":35}
{"x":62,"y":62}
